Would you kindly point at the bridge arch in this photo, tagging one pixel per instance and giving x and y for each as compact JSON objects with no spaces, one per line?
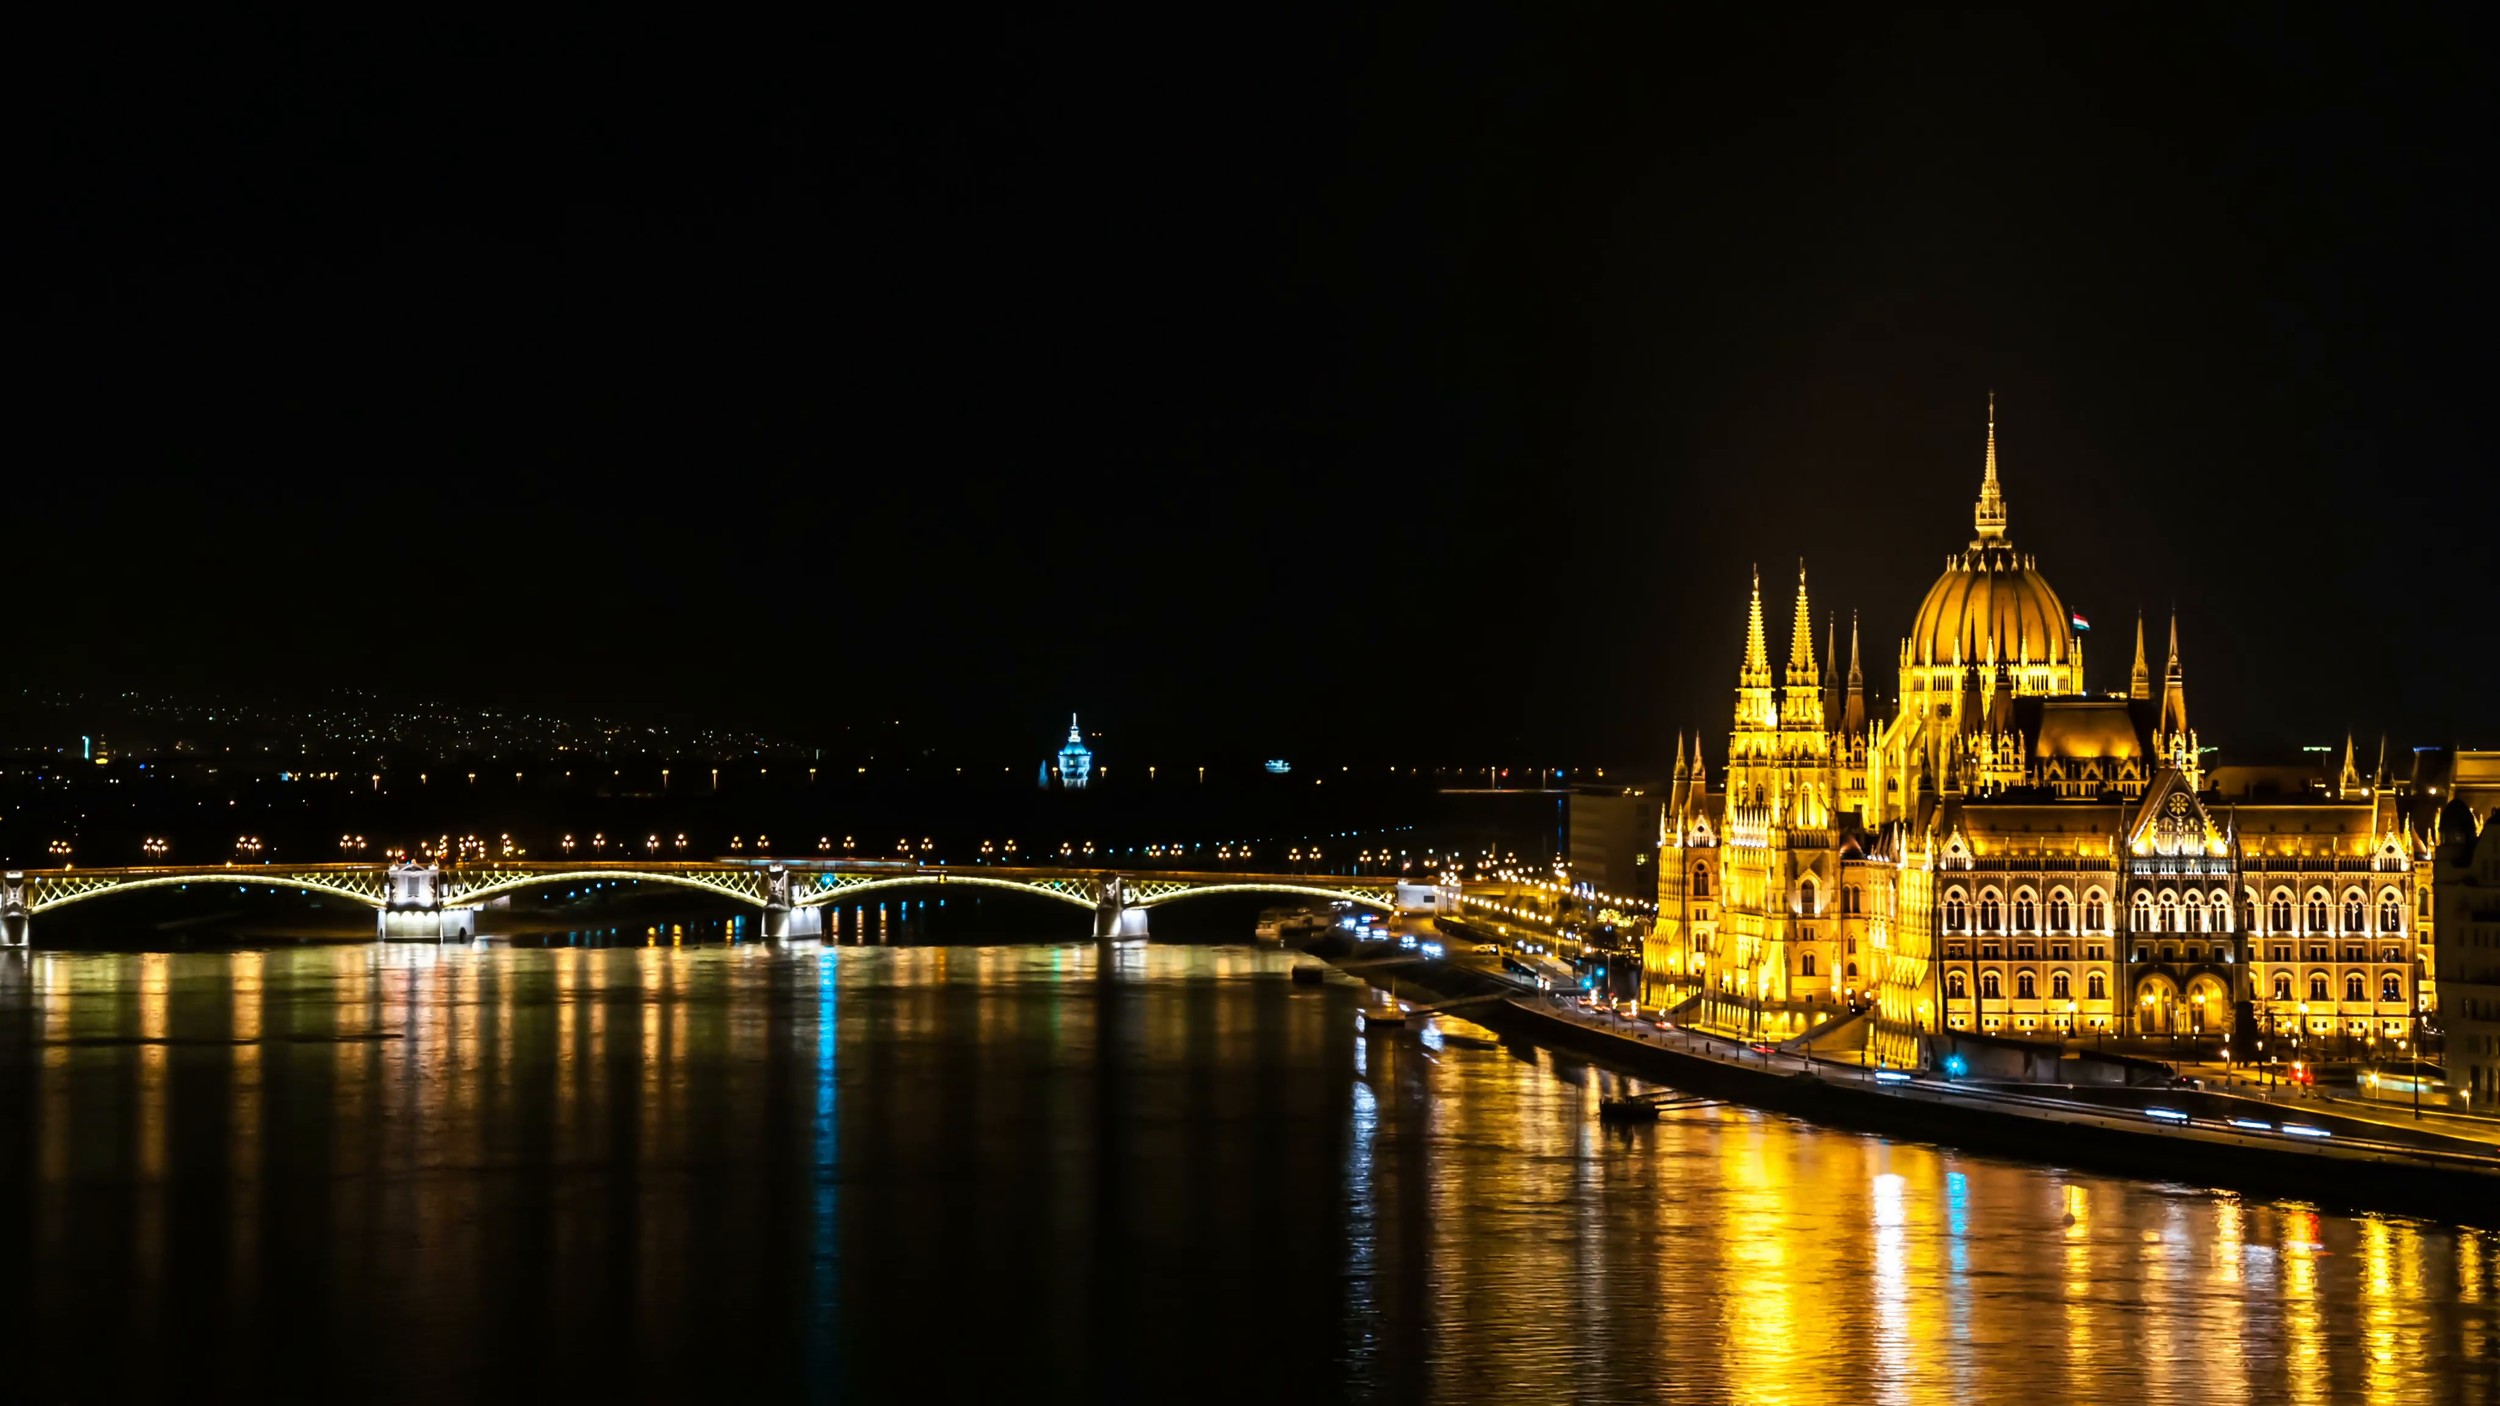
{"x":1368,"y":900}
{"x":844,"y":893}
{"x":58,"y":893}
{"x":751,"y":893}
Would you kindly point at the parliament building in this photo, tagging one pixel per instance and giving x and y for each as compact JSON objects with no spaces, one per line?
{"x":2013,"y":852}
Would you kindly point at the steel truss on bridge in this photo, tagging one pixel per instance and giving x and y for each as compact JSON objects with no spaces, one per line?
{"x":416,"y":900}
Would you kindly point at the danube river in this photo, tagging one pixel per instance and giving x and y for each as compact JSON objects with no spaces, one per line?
{"x":886,"y":1173}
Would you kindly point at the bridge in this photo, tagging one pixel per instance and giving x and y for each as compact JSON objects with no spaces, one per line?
{"x":431,"y":902}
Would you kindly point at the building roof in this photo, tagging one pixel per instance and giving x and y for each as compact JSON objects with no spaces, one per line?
{"x":2079,"y":727}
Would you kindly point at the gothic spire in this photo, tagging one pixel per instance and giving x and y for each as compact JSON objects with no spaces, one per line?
{"x":1801,"y":636}
{"x":2174,"y":686}
{"x":1853,"y":713}
{"x":1757,"y":648}
{"x":1989,"y":515}
{"x":2141,"y":686}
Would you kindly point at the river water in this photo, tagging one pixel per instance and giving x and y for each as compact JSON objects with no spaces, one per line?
{"x":406,"y":1172}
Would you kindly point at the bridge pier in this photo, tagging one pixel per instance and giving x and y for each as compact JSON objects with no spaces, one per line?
{"x":1114,"y":920}
{"x":782,"y":918}
{"x":16,"y":919}
{"x":413,"y":910}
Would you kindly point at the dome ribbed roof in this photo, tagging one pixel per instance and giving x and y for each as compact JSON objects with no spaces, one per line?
{"x":1990,"y":593}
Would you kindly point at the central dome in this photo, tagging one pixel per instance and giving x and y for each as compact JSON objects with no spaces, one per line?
{"x":1992,"y":604}
{"x":1990,"y":596}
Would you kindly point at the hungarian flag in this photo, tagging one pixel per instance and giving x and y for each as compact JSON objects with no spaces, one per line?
{"x":2081,"y":623}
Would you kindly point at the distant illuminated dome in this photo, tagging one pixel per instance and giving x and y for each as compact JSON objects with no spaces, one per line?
{"x":1076,"y":763}
{"x":1280,"y":767}
{"x":1990,"y":607}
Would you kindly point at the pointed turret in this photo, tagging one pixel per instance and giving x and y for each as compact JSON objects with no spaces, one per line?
{"x":2348,"y":780}
{"x":2174,"y":687}
{"x":1757,"y":644}
{"x":1804,"y":704}
{"x":2141,"y":685}
{"x":1989,"y":515}
{"x":1853,"y":713}
{"x":1755,"y":707}
{"x":1681,"y":791}
{"x":1801,"y":638}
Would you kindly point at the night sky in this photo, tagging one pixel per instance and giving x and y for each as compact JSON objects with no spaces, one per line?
{"x":1418,"y":386}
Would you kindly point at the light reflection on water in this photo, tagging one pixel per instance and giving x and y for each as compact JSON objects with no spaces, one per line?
{"x":411,"y":1172}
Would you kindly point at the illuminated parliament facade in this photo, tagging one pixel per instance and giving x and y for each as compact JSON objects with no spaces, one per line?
{"x":2011,"y":853}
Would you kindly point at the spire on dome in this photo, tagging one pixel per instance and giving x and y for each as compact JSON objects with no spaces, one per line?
{"x":1989,"y":515}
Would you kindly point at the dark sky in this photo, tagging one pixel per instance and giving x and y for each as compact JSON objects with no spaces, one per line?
{"x":1416,"y":384}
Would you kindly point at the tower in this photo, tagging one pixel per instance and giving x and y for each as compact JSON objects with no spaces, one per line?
{"x":1076,"y":761}
{"x":2140,"y":684}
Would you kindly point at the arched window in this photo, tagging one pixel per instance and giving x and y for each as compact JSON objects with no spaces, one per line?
{"x":1955,"y":987}
{"x":2195,"y":913}
{"x":2317,"y":986}
{"x":2096,"y":987}
{"x":2170,"y":912}
{"x":2026,"y":912}
{"x":2426,"y":903}
{"x":2143,"y":912}
{"x":2281,"y":911}
{"x":1988,"y":985}
{"x":1853,"y":971}
{"x":1805,"y":965}
{"x":2352,"y":912}
{"x":2222,"y":910}
{"x":2355,"y":989}
{"x":2026,"y":985}
{"x":1701,"y":881}
{"x":2391,"y":988}
{"x":2060,"y":987}
{"x":2391,"y":912}
{"x":1956,"y":912}
{"x":1805,"y":896}
{"x":1853,"y":899}
{"x":2317,"y":911}
{"x":2282,"y":986}
{"x":1991,"y":912}
{"x":2095,"y":912}
{"x":2061,"y":912}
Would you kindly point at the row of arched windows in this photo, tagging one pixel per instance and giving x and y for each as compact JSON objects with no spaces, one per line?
{"x":1991,"y":912}
{"x":2027,"y":986}
{"x":2391,"y":912}
{"x":2391,"y":987}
